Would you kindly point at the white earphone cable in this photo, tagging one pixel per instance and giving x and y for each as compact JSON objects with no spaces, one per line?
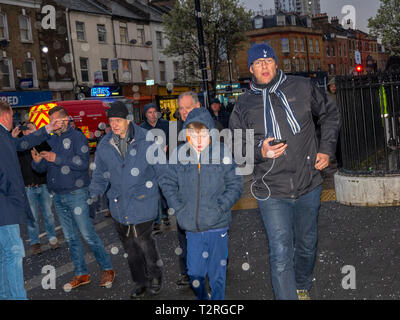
{"x":262,"y":179}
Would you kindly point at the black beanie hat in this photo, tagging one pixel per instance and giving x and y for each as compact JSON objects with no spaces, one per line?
{"x":118,"y":110}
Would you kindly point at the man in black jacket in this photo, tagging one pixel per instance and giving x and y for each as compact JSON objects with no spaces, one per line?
{"x":38,"y":197}
{"x":287,"y":180}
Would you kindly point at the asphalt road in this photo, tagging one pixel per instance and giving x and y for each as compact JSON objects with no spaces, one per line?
{"x":365,"y":238}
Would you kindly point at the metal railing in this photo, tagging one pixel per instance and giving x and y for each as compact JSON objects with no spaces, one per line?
{"x":370,"y":109}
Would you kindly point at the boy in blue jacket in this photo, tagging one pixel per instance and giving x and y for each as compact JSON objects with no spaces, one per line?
{"x":201,"y":188}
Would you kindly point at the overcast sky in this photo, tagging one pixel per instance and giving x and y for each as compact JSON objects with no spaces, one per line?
{"x":364,"y":9}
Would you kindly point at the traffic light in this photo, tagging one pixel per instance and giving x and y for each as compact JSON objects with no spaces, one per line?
{"x":359,"y":68}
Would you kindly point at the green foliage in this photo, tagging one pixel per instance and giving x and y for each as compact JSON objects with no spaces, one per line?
{"x":224,"y":22}
{"x":386,"y":25}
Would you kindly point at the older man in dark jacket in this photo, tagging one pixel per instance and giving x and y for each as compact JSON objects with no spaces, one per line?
{"x":133,"y":196}
{"x":14,"y":205}
{"x":287,"y":179}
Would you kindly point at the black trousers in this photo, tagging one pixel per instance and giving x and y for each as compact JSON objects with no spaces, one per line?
{"x":183,"y":245}
{"x":142,"y":252}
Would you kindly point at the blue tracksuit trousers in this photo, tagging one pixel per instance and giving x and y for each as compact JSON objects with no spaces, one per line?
{"x":207,"y":254}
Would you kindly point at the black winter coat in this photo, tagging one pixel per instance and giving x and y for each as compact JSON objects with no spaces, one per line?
{"x":293,"y":174}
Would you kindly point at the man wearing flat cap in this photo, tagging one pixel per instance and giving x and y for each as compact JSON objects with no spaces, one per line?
{"x":121,"y":164}
{"x":287,"y":164}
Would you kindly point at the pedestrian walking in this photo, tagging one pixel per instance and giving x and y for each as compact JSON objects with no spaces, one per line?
{"x":14,"y":205}
{"x":121,"y":164}
{"x":38,"y":197}
{"x":287,"y":164}
{"x":201,"y":189}
{"x":67,"y":167}
{"x":219,"y":113}
{"x":152,"y":120}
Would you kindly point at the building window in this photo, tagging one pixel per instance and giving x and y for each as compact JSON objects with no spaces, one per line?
{"x":6,"y":74}
{"x":30,"y":71}
{"x":104,"y":69}
{"x":123,"y":35}
{"x":3,"y":26}
{"x":344,"y":49}
{"x":328,"y":51}
{"x":80,"y":31}
{"x":312,"y":65}
{"x":303,"y":64}
{"x":316,"y":46}
{"x":302,"y":45}
{"x":84,"y":63}
{"x":159,"y":39}
{"x":340,"y":50}
{"x":25,"y":28}
{"x":285,"y":45}
{"x":297,"y":63}
{"x":140,"y":36}
{"x":176,"y":70}
{"x":126,"y":71}
{"x":311,"y":46}
{"x":101,"y":33}
{"x":287,"y":65}
{"x":145,"y":70}
{"x":162,"y":70}
{"x":295,"y":45}
{"x":318,"y":65}
{"x":333,"y":51}
{"x":280,"y":20}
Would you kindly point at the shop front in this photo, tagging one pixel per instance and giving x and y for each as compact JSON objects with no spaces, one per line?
{"x":21,"y":101}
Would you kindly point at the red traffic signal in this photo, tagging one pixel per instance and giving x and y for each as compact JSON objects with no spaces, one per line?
{"x":359,"y":68}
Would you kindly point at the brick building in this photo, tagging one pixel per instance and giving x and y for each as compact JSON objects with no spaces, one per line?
{"x":340,"y":45}
{"x":22,"y":81}
{"x":297,"y":43}
{"x":20,"y":56}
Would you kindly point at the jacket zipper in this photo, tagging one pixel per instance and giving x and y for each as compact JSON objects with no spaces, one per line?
{"x":198,"y":200}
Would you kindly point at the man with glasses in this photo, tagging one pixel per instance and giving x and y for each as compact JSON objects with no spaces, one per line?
{"x":287,"y":164}
{"x":67,"y":166}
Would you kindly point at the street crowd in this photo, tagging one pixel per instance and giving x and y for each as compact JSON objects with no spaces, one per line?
{"x":51,"y":166}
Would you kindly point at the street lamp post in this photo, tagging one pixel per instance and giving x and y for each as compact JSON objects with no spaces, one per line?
{"x":203,"y":65}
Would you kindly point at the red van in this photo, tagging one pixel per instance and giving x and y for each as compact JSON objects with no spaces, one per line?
{"x":88,"y":115}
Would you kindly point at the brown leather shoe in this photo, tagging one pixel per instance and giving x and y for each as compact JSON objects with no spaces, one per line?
{"x":107,"y":278}
{"x":35,"y":249}
{"x":77,"y":281}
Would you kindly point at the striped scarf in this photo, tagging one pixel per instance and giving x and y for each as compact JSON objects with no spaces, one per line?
{"x":270,"y":123}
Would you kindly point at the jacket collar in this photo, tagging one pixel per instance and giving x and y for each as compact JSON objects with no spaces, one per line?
{"x":3,"y":128}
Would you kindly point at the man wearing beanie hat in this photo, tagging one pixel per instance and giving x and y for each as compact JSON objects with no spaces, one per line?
{"x":121,"y":165}
{"x":287,"y":179}
{"x":152,"y":120}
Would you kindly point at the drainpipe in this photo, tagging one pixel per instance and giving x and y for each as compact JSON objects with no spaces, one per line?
{"x":71,"y":47}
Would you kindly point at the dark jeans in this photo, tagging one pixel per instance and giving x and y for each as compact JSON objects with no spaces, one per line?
{"x":142,"y":252}
{"x":183,"y":245}
{"x":292,"y":231}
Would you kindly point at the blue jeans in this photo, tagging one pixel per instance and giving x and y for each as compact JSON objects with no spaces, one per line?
{"x":73,"y":212}
{"x":292,"y":231}
{"x":11,"y":273}
{"x":39,"y":197}
{"x":207,"y":254}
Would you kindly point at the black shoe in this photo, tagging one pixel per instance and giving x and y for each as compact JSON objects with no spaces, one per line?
{"x":138,"y":292}
{"x":155,"y":286}
{"x":184,"y":280}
